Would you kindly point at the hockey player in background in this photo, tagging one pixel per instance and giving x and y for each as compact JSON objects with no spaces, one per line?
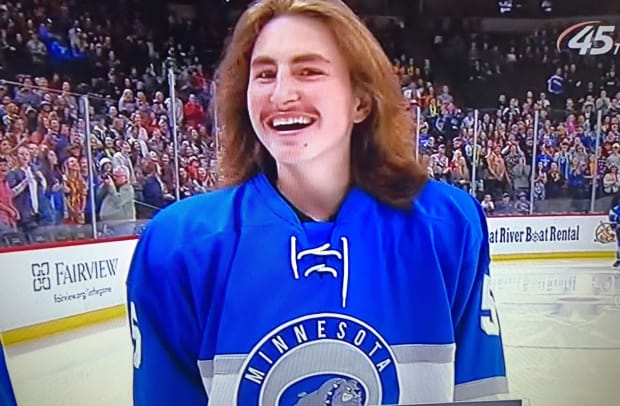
{"x":614,"y":219}
{"x":7,"y":397}
{"x":328,"y":269}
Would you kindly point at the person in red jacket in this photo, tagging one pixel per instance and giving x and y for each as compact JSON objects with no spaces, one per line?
{"x":194,"y":112}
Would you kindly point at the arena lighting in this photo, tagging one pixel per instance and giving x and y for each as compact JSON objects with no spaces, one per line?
{"x":546,"y":6}
{"x":507,"y":6}
{"x":510,"y":6}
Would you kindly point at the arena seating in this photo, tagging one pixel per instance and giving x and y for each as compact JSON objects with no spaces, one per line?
{"x":49,"y":60}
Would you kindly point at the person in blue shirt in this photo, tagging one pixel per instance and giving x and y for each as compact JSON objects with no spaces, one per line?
{"x":7,"y":396}
{"x":614,"y":220}
{"x":327,"y":269}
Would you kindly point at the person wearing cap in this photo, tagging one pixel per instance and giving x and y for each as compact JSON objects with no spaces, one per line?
{"x":505,"y":206}
{"x":522,"y":206}
{"x":117,"y":195}
{"x":105,"y":167}
{"x":614,"y":158}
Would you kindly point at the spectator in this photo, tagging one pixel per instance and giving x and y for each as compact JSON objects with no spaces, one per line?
{"x":555,"y":86}
{"x":440,"y":164}
{"x":505,"y":206}
{"x":540,"y":182}
{"x":123,"y":158}
{"x":154,"y":191}
{"x":9,"y":215}
{"x":576,"y":183}
{"x":488,"y":205}
{"x":5,"y":152}
{"x":117,"y":196}
{"x":459,"y":171}
{"x":193,"y":112}
{"x":56,"y":188}
{"x":555,"y":182}
{"x":522,"y":205}
{"x":76,"y":195}
{"x":611,"y":181}
{"x":28,"y":188}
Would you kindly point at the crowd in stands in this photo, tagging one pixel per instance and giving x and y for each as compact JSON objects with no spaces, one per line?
{"x":44,"y":182}
{"x":567,"y":91}
{"x":54,"y":52}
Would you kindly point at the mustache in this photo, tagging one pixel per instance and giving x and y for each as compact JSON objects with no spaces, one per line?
{"x":264,"y":115}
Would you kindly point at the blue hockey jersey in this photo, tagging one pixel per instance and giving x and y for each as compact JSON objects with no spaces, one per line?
{"x":234,"y":301}
{"x":614,"y":211}
{"x":7,"y":397}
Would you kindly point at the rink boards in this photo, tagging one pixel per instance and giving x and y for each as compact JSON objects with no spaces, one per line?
{"x":49,"y":289}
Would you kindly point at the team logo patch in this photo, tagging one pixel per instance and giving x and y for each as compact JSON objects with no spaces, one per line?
{"x":322,"y":359}
{"x":604,"y":233}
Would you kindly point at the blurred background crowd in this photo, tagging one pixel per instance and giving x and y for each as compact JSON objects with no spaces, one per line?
{"x":474,"y":93}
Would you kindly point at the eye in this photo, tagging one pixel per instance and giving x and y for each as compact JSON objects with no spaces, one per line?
{"x":265,"y":74}
{"x":309,"y":72}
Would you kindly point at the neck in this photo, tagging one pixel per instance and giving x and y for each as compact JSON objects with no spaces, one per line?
{"x":315,"y":189}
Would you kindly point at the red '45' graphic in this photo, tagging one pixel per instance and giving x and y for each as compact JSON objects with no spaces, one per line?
{"x":589,"y":38}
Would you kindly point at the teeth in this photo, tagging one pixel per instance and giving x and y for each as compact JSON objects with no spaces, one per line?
{"x":291,"y":120}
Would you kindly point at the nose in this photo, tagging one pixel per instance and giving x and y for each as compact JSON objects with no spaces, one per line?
{"x":285,"y":90}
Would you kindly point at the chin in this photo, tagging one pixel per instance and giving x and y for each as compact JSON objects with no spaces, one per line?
{"x":292,"y":156}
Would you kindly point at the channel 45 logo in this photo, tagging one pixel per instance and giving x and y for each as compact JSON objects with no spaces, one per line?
{"x":589,"y":38}
{"x":41,"y":276}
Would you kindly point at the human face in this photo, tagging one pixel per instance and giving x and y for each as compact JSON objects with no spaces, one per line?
{"x":73,"y":164}
{"x":5,"y":147}
{"x":23,"y":156}
{"x":298,"y":73}
{"x":52,"y":158}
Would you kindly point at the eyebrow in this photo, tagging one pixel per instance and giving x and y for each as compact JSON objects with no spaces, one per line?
{"x":266,"y":60}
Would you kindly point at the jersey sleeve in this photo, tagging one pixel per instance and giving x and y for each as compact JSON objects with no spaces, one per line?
{"x":7,"y":397}
{"x":164,"y":328}
{"x":613,"y":211}
{"x":479,"y":367}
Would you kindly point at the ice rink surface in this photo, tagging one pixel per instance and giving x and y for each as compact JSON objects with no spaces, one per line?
{"x":560,"y":321}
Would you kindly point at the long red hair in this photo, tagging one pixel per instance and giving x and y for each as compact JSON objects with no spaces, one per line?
{"x":382,"y":148}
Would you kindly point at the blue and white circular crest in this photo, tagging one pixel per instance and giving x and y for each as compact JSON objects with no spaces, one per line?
{"x":320,"y":359}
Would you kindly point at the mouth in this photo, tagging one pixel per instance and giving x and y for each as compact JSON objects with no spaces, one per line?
{"x":290,"y":125}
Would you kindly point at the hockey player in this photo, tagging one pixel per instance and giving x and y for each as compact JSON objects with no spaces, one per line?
{"x":614,"y":219}
{"x":329,"y":270}
{"x":7,"y":397}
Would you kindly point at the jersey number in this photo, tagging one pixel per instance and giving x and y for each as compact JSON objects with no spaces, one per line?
{"x":135,"y":336}
{"x":489,"y":322}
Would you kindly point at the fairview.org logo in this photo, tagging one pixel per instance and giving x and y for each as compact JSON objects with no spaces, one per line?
{"x":67,"y":274}
{"x":590,"y":38}
{"x":41,"y":276}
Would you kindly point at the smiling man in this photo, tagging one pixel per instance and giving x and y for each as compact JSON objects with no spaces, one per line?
{"x":328,"y":269}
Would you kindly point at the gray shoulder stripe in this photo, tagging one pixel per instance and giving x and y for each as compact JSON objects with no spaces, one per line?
{"x":437,"y":353}
{"x":404,"y":354}
{"x":228,"y":364}
{"x":483,"y":387}
{"x":222,"y":365}
{"x":206,"y":368}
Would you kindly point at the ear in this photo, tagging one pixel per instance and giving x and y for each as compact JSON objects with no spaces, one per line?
{"x":362,"y":108}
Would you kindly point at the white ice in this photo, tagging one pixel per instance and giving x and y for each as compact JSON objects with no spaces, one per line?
{"x":560,"y":322}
